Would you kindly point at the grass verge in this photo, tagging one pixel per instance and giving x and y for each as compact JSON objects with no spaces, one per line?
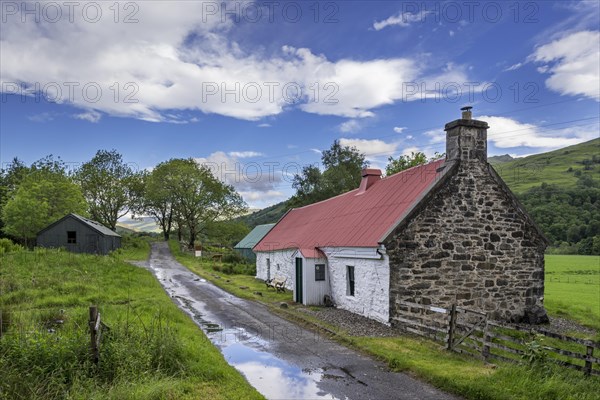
{"x":151,"y":351}
{"x":451,"y":372}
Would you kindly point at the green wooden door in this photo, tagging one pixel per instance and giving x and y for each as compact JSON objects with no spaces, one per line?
{"x":298,"y":285}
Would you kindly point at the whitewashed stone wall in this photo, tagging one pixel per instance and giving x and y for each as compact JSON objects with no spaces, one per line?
{"x":282,"y":264}
{"x":371,"y":287}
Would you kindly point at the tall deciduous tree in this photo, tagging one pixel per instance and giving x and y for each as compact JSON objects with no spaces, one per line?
{"x":197,"y":198}
{"x":342,"y":166}
{"x":159,"y":197}
{"x":43,"y":196}
{"x":111,"y":187}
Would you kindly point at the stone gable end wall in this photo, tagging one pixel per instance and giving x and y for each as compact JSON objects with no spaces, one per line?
{"x":469,"y":245}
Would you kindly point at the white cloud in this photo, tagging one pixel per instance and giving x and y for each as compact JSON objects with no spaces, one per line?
{"x":245,"y":154}
{"x":262,"y":196}
{"x":401,"y":19}
{"x":399,"y":129}
{"x":42,"y":117}
{"x":264,"y":125}
{"x":451,"y":33}
{"x":371,"y":148}
{"x":435,"y":136}
{"x":316,"y":151}
{"x":514,"y":67}
{"x":91,"y":116}
{"x":181,"y":58}
{"x":350,"y":126}
{"x":507,"y":133}
{"x":573,"y":63}
{"x":256,"y":182}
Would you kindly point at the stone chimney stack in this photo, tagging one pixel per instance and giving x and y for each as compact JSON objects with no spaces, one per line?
{"x":466,"y":138}
{"x":369,"y":177}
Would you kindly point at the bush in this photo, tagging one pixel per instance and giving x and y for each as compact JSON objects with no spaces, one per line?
{"x":135,"y":242}
{"x":234,"y":258}
{"x":7,"y":246}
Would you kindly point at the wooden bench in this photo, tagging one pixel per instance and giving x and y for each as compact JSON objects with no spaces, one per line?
{"x":278,"y":283}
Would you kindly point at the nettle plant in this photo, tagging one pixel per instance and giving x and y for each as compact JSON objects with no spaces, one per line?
{"x":535,"y":354}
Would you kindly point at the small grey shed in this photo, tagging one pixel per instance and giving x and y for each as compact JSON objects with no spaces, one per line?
{"x":79,"y":235}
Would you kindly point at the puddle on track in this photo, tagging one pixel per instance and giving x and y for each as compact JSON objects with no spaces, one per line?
{"x":273,"y":377}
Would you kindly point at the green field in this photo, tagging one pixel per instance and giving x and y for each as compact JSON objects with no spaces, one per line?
{"x":573,"y":288}
{"x":153,"y":350}
{"x":550,"y":168}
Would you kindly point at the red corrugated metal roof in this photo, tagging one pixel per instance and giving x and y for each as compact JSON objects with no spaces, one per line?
{"x":351,"y":219}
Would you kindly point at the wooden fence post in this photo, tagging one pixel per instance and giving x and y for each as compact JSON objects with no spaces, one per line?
{"x":485,"y":346}
{"x":93,"y":333}
{"x":588,"y":363}
{"x":451,"y":326}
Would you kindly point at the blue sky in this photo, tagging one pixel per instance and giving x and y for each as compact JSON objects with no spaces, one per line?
{"x":257,"y":89}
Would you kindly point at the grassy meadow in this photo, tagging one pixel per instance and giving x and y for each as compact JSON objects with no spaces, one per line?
{"x":573,"y":288}
{"x":152,"y":349}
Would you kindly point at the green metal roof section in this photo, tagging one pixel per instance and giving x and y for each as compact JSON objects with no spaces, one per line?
{"x":254,"y":236}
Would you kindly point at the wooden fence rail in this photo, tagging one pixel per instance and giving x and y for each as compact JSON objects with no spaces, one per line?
{"x":473,"y":333}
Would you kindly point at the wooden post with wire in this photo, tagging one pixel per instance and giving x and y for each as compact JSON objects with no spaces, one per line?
{"x":94,"y":324}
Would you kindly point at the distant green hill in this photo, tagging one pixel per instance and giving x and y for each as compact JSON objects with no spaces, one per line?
{"x":267,"y":215}
{"x":500,"y":159}
{"x":560,"y":167}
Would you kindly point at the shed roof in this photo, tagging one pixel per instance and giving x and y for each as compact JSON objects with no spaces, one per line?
{"x":355,"y":219}
{"x":254,"y":236}
{"x":97,"y":226}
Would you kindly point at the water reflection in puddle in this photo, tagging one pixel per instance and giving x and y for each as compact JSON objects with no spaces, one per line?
{"x":273,"y":377}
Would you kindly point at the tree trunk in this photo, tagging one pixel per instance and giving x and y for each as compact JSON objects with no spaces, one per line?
{"x":192,"y":239}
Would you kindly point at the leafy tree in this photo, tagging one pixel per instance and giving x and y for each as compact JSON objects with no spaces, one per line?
{"x":43,"y":197}
{"x":200,"y":199}
{"x":342,"y":166}
{"x":405,"y":162}
{"x":10,"y":178}
{"x":111,"y":187}
{"x":158,"y":199}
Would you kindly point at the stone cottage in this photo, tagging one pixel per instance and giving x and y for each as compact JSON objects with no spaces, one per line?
{"x":448,"y":232}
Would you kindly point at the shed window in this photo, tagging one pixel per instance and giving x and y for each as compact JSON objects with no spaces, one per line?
{"x":319,"y":272}
{"x":71,"y":237}
{"x":350,"y":280}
